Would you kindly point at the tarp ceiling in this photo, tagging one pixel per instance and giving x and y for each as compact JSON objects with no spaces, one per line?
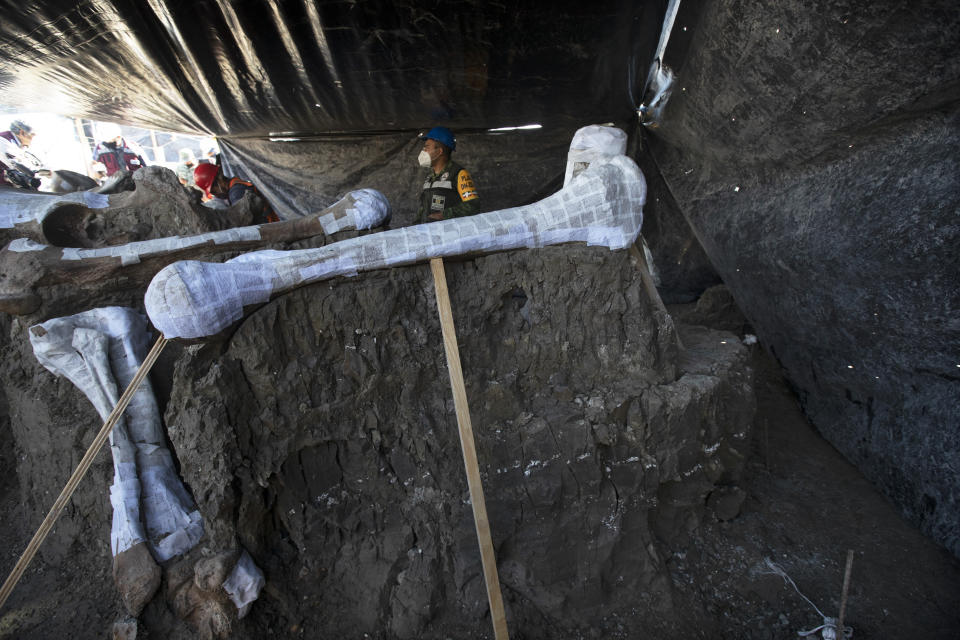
{"x":296,"y":67}
{"x":312,"y":99}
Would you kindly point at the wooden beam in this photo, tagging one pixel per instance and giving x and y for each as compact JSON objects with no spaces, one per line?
{"x":468,"y":447}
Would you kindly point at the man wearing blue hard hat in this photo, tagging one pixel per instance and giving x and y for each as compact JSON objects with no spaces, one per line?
{"x":448,"y":191}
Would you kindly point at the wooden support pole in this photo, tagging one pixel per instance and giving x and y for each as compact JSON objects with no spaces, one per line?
{"x":158,"y":154}
{"x":647,"y":280}
{"x":87,"y":150}
{"x":843,"y":594}
{"x":645,"y":277}
{"x":468,"y":447}
{"x":80,"y":471}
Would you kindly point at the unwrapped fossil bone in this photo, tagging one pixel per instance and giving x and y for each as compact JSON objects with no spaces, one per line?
{"x":29,"y":266}
{"x":22,"y":213}
{"x":603,"y":205}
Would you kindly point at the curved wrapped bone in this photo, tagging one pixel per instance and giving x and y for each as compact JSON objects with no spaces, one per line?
{"x":98,"y":350}
{"x":601,"y":206}
{"x":80,"y":353}
{"x":29,"y":265}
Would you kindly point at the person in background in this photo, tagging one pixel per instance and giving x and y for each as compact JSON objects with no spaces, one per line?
{"x":13,"y":145}
{"x":214,"y":184}
{"x":20,"y":134}
{"x":448,"y":191}
{"x":114,"y":152}
{"x":185,"y":169}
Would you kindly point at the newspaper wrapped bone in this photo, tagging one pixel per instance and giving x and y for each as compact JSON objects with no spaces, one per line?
{"x":603,"y":205}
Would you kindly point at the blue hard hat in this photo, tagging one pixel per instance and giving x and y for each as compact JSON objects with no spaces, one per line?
{"x":442,"y":135}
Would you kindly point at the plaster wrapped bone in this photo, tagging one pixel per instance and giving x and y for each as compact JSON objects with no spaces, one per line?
{"x":100,"y":351}
{"x":24,"y":212}
{"x":244,"y":583}
{"x":20,"y":207}
{"x":30,"y":266}
{"x":590,"y":144}
{"x":603,"y":205}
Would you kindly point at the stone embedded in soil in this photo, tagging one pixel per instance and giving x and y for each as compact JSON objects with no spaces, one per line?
{"x":137,"y":577}
{"x":124,"y":629}
{"x":209,"y":573}
{"x":194,"y":594}
{"x":725,"y":502}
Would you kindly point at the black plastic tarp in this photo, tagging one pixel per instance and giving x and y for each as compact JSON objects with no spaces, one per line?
{"x":299,"y":177}
{"x":239,"y":69}
{"x":353,"y":82}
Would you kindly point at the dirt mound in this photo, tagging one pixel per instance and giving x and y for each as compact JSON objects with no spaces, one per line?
{"x":319,"y":435}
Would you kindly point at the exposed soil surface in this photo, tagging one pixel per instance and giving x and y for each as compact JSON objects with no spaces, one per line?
{"x":804,"y":508}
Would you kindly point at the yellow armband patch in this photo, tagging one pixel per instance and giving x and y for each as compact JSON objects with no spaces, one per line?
{"x":465,"y":186}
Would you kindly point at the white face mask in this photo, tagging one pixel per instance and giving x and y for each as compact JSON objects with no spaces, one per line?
{"x":424,"y":159}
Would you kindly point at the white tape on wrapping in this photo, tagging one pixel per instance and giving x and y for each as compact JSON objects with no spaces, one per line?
{"x":126,"y":529}
{"x":602,"y":206}
{"x":244,"y":583}
{"x":193,"y":297}
{"x":21,"y":245}
{"x":18,"y":207}
{"x":133,"y":252}
{"x":174,"y":525}
{"x":98,"y":351}
{"x":369,"y":209}
{"x":80,"y":353}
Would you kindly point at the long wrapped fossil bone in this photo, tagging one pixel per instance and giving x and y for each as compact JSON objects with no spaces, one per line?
{"x":29,"y":266}
{"x":603,"y":205}
{"x":98,"y":351}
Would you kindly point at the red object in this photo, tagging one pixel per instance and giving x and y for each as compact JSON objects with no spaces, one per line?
{"x":204,"y":175}
{"x":117,"y":156}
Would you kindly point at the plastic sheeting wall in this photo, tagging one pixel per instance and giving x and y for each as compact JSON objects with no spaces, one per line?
{"x":509,"y":169}
{"x":247,"y":72}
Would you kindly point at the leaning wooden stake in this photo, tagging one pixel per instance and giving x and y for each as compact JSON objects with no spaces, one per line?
{"x":843,"y":594}
{"x":469,"y":452}
{"x":648,"y":283}
{"x":80,"y":471}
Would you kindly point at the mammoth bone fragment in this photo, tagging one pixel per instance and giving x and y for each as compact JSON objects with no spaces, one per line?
{"x":26,"y":213}
{"x":603,"y":205}
{"x":29,"y":266}
{"x":154,"y":517}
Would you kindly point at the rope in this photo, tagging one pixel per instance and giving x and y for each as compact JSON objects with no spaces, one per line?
{"x":829,"y":627}
{"x":80,"y":471}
